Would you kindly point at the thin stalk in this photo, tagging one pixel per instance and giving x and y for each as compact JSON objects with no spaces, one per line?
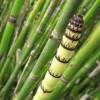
{"x":51,"y":46}
{"x":27,"y":69}
{"x":21,"y":19}
{"x":40,"y":27}
{"x":88,"y":48}
{"x":86,"y":5}
{"x":3,"y":25}
{"x":39,"y":20}
{"x":1,"y":7}
{"x":36,"y":53}
{"x":89,"y":18}
{"x":20,"y":38}
{"x":85,"y":83}
{"x":91,"y":14}
{"x":83,"y":72}
{"x":91,"y":94}
{"x":5,"y":5}
{"x":8,"y":32}
{"x":10,"y":26}
{"x":32,"y":41}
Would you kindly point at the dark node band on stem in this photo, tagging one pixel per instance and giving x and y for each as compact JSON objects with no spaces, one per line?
{"x":12,"y":19}
{"x":62,"y":60}
{"x":44,"y":90}
{"x":53,"y":74}
{"x":71,"y":38}
{"x":66,"y":47}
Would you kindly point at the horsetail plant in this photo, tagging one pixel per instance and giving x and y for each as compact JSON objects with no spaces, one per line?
{"x":36,"y":22}
{"x":46,"y":53}
{"x":21,"y":19}
{"x":5,"y":5}
{"x":10,"y":26}
{"x":88,"y":47}
{"x":49,"y":49}
{"x":20,"y":38}
{"x":64,"y":54}
{"x":4,"y":21}
{"x":32,"y":41}
{"x":85,"y":6}
{"x":42,"y":25}
{"x":89,"y":18}
{"x":41,"y":44}
{"x":91,"y":94}
{"x":91,"y":14}
{"x":90,"y":79}
{"x":84,"y":71}
{"x":54,"y":14}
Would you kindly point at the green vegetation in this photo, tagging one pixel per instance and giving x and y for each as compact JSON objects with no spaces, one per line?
{"x":49,"y":49}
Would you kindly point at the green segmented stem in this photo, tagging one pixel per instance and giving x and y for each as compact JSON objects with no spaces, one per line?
{"x":21,"y":19}
{"x":8,"y":32}
{"x":7,"y":35}
{"x":5,"y":5}
{"x":38,"y":49}
{"x":37,"y":33}
{"x":37,"y":23}
{"x":89,"y":18}
{"x":82,"y":87}
{"x":20,"y":38}
{"x":91,"y":94}
{"x":89,"y":46}
{"x":51,"y":46}
{"x":86,"y":5}
{"x":4,"y":21}
{"x":33,"y":40}
{"x":91,"y":14}
{"x":90,"y":79}
{"x":28,"y":67}
{"x":64,"y":53}
{"x":83,"y":72}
